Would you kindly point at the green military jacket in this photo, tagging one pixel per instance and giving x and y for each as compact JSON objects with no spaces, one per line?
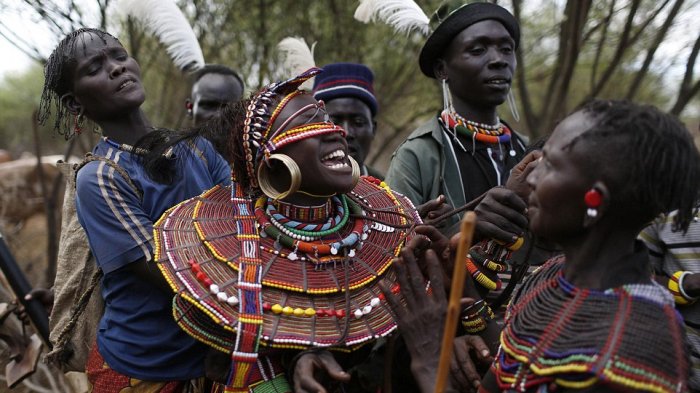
{"x":425,"y":166}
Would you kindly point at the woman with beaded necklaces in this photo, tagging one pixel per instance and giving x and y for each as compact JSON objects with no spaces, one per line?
{"x":290,"y":257}
{"x":592,"y":319}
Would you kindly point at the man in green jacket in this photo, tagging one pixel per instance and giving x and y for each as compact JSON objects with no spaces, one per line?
{"x":467,"y":149}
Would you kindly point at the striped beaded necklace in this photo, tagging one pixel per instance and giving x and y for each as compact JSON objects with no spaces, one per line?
{"x":304,"y":213}
{"x":495,"y":133}
{"x":312,"y":242}
{"x":294,"y":227}
{"x":486,"y":133}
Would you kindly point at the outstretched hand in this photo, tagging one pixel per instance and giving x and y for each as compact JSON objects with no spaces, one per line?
{"x":421,"y":321}
{"x":313,"y":363}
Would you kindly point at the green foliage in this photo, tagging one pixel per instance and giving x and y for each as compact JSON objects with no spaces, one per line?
{"x":244,"y":35}
{"x":19,"y":98}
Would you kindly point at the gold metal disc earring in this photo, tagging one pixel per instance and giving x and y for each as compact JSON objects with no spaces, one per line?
{"x":264,"y":177}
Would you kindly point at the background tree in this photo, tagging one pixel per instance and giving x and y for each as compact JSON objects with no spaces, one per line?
{"x":572,"y":50}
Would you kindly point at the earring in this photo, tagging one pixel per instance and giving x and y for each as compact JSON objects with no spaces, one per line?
{"x":264,"y":178}
{"x":78,"y":123}
{"x":188,"y":106}
{"x":593,"y":200}
{"x":446,"y":97}
{"x":510,"y":98}
{"x":355,"y":171}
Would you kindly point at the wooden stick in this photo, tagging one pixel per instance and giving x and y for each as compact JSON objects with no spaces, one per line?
{"x":458,"y":277}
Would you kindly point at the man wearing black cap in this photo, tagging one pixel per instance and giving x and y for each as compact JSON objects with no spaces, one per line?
{"x":347,"y":90}
{"x":467,"y":149}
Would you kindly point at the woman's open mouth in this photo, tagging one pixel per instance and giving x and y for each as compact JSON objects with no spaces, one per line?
{"x":335,"y":160}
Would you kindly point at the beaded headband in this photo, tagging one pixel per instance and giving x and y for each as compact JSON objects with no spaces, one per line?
{"x":259,"y":140}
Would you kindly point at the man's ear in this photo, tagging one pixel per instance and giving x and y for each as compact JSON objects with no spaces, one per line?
{"x":596,"y":210}
{"x":439,"y":68}
{"x":72,"y":104}
{"x":374,"y":127}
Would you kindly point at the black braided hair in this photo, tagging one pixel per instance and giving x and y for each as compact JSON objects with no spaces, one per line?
{"x":646,"y":157}
{"x":57,"y":80}
{"x":230,"y":123}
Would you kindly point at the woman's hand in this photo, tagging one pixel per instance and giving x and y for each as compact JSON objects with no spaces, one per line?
{"x":501,"y":215}
{"x":434,"y":239}
{"x":421,"y":321}
{"x":310,"y":365}
{"x":469,"y":352}
{"x":517,"y":181}
{"x":433,"y":208}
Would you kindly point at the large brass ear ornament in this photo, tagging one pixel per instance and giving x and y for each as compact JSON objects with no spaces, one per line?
{"x":355,"y":171}
{"x":264,"y":177}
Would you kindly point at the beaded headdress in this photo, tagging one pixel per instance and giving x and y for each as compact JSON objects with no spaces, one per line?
{"x":259,"y":139}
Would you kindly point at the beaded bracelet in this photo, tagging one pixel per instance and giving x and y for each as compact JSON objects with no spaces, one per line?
{"x":475,"y":322}
{"x":481,"y":278}
{"x":675,"y":285}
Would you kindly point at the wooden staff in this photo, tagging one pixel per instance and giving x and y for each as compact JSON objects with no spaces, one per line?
{"x":458,"y":276}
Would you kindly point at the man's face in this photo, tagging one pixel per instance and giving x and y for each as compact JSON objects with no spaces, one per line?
{"x":211,"y":93}
{"x":356,"y":118}
{"x":479,"y":64}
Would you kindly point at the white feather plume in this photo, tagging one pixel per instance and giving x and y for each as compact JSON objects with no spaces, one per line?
{"x":298,"y":57}
{"x":165,"y":20}
{"x":403,"y":15}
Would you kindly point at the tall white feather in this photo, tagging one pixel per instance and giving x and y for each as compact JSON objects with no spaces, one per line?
{"x":298,"y":57}
{"x":403,"y":15}
{"x":165,"y":20}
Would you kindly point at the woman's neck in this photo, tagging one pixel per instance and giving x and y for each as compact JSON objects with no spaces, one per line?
{"x":479,"y":114}
{"x":600,"y":260}
{"x":126,"y":129}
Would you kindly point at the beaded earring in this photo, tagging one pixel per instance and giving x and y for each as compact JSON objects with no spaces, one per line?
{"x":593,"y":200}
{"x":78,"y":123}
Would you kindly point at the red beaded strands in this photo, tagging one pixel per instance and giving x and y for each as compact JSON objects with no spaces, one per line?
{"x":250,"y":320}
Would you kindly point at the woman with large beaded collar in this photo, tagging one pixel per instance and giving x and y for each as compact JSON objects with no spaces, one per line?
{"x":292,"y":255}
{"x":592,"y":319}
